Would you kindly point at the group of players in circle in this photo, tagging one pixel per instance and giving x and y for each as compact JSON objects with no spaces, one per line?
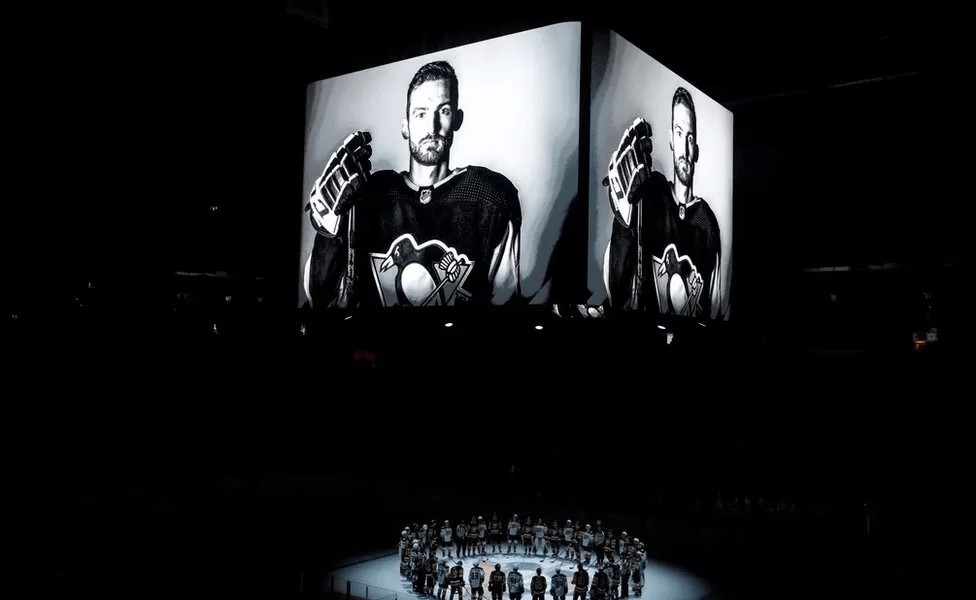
{"x":619,"y":560}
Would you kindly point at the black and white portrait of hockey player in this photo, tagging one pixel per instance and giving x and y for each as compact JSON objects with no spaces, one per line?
{"x":662,"y":191}
{"x":474,"y":213}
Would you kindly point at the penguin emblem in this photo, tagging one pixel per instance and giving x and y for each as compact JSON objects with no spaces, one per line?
{"x":412,"y":274}
{"x":677,"y":282}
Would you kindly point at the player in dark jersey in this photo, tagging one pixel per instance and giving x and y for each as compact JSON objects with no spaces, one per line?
{"x":559,"y":585}
{"x":665,"y":249}
{"x":538,"y":585}
{"x":495,"y":533}
{"x":496,"y":583}
{"x":455,"y":579}
{"x":428,"y":236}
{"x":581,"y":582}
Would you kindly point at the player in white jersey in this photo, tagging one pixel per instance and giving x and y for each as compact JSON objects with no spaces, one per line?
{"x":514,"y":527}
{"x":476,"y":579}
{"x":539,"y":538}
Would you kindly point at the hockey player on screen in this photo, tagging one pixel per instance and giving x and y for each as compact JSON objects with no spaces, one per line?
{"x":665,"y":246}
{"x":527,"y":535}
{"x":431,"y":235}
{"x":476,"y":579}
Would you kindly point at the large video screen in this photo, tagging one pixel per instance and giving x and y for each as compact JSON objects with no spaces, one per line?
{"x":444,"y":179}
{"x":660,"y":188}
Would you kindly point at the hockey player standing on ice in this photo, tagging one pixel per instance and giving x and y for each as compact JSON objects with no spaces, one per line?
{"x":515,"y":586}
{"x":601,"y":583}
{"x":614,"y":569}
{"x":442,"y":580}
{"x":622,"y":544}
{"x":405,"y":552}
{"x":581,"y":582}
{"x":430,"y":572}
{"x":539,"y":535}
{"x":586,"y":542}
{"x":433,"y":532}
{"x":495,"y":533}
{"x":578,"y":541}
{"x":514,"y":527}
{"x":527,"y":535}
{"x":462,"y":539}
{"x":538,"y":585}
{"x":482,"y":535}
{"x":417,"y":560}
{"x":476,"y":579}
{"x":552,"y":537}
{"x":599,"y":542}
{"x":456,"y":579}
{"x":611,"y":545}
{"x":569,"y":538}
{"x":446,"y":539}
{"x":637,"y":567}
{"x":559,"y":585}
{"x":624,"y":577}
{"x":472,"y":537}
{"x":496,"y":583}
{"x":428,"y":236}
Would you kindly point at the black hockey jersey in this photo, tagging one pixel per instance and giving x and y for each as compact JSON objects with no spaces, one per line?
{"x":681,"y":247}
{"x":402,"y":233}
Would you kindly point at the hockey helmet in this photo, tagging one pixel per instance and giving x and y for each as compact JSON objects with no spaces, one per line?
{"x":558,"y":570}
{"x":498,"y":566}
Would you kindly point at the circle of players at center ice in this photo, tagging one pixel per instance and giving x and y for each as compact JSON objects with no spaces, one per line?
{"x":619,"y":560}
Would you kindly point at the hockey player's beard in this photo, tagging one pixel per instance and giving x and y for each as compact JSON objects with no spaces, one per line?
{"x":682,"y":170}
{"x":431,"y":149}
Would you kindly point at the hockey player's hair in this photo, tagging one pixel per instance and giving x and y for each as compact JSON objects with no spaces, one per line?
{"x":440,"y":70}
{"x":682,"y":96}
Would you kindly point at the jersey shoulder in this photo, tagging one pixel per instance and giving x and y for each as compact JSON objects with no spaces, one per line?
{"x":490,"y":187}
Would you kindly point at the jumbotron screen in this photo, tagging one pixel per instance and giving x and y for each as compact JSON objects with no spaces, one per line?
{"x":444,"y":179}
{"x":660,"y":188}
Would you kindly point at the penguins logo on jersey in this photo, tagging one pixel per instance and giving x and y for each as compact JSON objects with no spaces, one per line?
{"x":678,"y":283}
{"x":428,"y":274}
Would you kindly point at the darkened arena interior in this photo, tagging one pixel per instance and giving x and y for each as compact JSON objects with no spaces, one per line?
{"x":175,"y":424}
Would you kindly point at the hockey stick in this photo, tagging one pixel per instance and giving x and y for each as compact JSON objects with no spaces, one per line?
{"x":431,"y":296}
